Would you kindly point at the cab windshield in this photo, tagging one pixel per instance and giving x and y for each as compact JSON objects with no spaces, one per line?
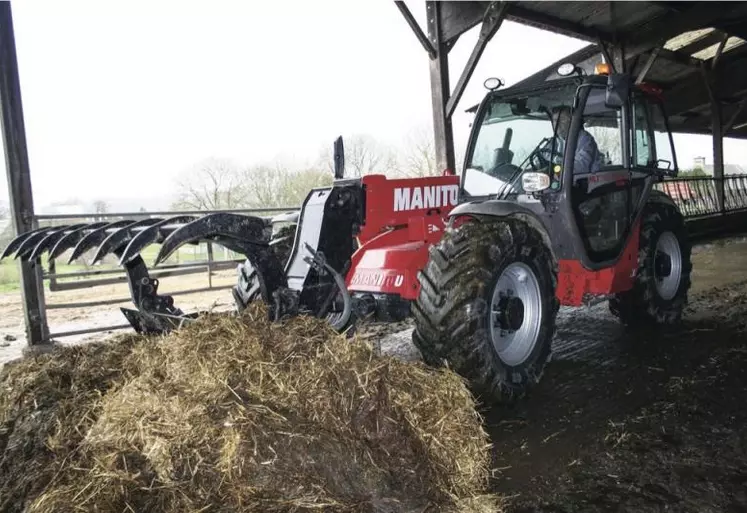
{"x":514,"y":135}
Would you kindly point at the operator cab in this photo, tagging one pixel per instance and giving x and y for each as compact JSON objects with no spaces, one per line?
{"x":577,"y":149}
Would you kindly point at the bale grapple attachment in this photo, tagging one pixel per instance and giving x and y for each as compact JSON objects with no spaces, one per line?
{"x":306,"y":284}
{"x":126,"y":239}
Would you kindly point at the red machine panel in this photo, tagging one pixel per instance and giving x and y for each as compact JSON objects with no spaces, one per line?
{"x":403,"y":218}
{"x":575,"y":281}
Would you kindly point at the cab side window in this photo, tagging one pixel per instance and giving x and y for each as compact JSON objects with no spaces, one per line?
{"x":643,"y":149}
{"x":662,"y":138}
{"x":602,"y":127}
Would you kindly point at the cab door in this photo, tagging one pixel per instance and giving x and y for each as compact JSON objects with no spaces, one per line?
{"x":601,"y":198}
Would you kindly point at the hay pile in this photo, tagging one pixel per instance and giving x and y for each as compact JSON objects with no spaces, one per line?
{"x":47,"y":405}
{"x":238,"y":414}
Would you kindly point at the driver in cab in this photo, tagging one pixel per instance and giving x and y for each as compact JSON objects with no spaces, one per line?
{"x":588,"y":159}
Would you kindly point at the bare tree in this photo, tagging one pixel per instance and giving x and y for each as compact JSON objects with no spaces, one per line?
{"x":364,"y":155}
{"x":213,"y":184}
{"x":6,"y":230}
{"x":300,"y":184}
{"x":418,"y":156}
{"x":266,"y":185}
{"x":100,"y":207}
{"x":276,"y":186}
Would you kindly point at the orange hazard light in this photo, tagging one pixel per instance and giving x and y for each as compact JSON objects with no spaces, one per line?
{"x":602,"y":68}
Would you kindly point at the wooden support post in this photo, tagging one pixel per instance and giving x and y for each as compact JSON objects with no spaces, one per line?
{"x":440,"y":90}
{"x":19,"y":179}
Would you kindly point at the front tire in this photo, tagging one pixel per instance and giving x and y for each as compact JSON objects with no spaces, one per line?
{"x":250,"y":286}
{"x":663,"y":279}
{"x":487,"y":306}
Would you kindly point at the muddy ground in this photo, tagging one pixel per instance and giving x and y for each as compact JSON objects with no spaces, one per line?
{"x":649,"y":422}
{"x":656,"y":424}
{"x":644,"y":422}
{"x":637,"y":422}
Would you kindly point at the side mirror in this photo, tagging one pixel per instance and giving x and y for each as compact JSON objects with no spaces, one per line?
{"x":618,"y":89}
{"x":339,"y":158}
{"x":664,"y":164}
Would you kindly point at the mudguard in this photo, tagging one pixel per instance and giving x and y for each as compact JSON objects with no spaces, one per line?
{"x":657,"y":196}
{"x":502,"y":208}
{"x":494,"y":208}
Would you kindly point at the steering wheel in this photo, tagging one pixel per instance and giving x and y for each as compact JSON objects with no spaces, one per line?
{"x":540,"y":157}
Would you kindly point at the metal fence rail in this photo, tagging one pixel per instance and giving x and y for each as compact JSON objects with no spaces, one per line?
{"x":700,"y":196}
{"x":696,"y":197}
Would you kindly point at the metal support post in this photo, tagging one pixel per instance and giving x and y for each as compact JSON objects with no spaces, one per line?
{"x":440,"y":90}
{"x":718,"y":155}
{"x":211,"y":260}
{"x":19,"y":180}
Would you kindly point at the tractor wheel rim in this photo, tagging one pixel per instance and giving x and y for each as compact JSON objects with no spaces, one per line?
{"x":667,"y":283}
{"x":515,"y":314}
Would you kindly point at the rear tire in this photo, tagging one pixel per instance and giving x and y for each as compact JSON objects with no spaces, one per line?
{"x":462,"y":319}
{"x":663,"y":280}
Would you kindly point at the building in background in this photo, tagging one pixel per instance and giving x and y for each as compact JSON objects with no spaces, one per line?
{"x":729,"y":169}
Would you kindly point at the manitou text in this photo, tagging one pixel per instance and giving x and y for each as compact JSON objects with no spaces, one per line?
{"x":417,"y":198}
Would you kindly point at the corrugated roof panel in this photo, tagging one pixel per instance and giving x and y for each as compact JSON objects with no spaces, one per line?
{"x":686,"y":38}
{"x":709,"y":52}
{"x":627,"y":16}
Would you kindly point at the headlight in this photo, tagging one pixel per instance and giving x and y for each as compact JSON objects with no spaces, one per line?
{"x":535,"y":182}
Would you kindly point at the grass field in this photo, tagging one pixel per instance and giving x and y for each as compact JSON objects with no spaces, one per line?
{"x":9,"y":268}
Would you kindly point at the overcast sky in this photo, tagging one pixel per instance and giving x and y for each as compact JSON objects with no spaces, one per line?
{"x":119,"y":97}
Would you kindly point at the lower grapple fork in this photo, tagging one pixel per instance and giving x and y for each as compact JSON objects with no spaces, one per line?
{"x":155,"y":313}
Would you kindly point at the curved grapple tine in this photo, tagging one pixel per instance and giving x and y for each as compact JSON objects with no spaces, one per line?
{"x":69,"y":240}
{"x":120,"y":238}
{"x":28,"y":245}
{"x":51,"y":239}
{"x":16,"y":243}
{"x":154,"y":234}
{"x":234,"y":231}
{"x":94,"y":238}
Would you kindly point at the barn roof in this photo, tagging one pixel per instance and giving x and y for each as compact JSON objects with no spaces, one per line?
{"x":691,"y":49}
